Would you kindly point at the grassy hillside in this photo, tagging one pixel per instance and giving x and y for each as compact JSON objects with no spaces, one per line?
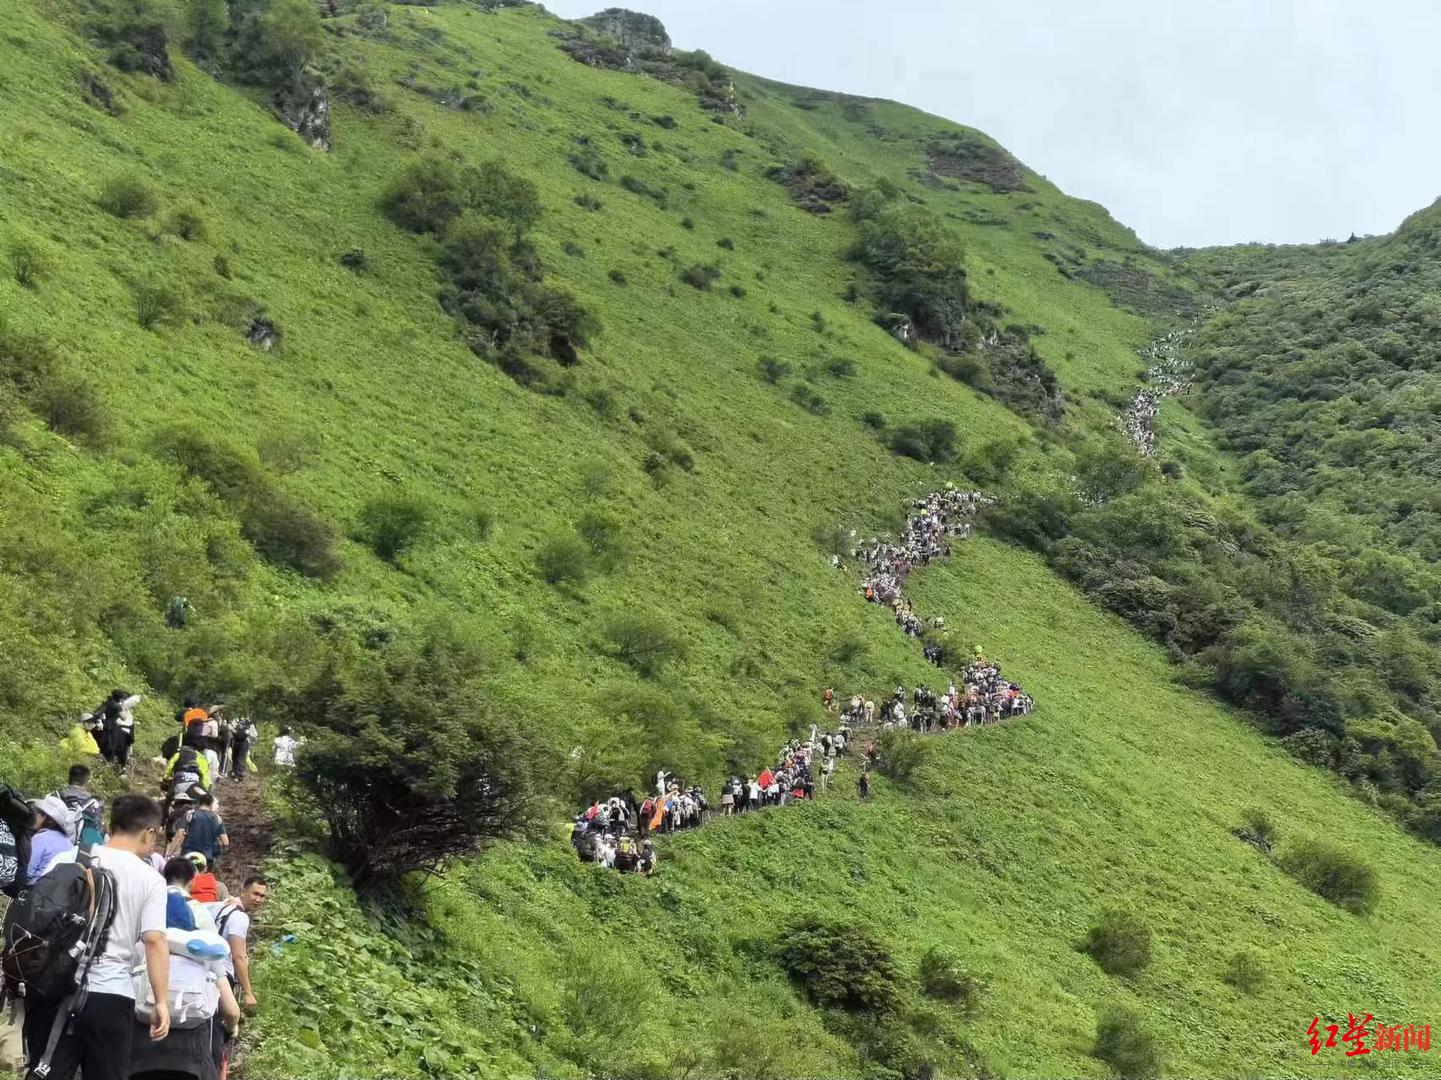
{"x":701,"y":486}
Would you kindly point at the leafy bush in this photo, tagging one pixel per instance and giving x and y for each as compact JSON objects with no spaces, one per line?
{"x":127,"y":197}
{"x":926,"y":441}
{"x":618,"y":277}
{"x":943,"y":977}
{"x":773,"y":370}
{"x":812,"y":183}
{"x":186,"y":223}
{"x":28,"y":264}
{"x":588,"y":161}
{"x":901,"y":753}
{"x":841,"y":966}
{"x":1124,"y":1045}
{"x":589,"y":202}
{"x":700,"y":277}
{"x":725,"y":243}
{"x":917,"y":266}
{"x":74,"y":408}
{"x":639,"y":187}
{"x":391,"y":524}
{"x":288,"y":533}
{"x":873,"y":420}
{"x":272,"y":42}
{"x":563,"y":559}
{"x":1120,"y":943}
{"x":408,"y":761}
{"x":1245,"y":971}
{"x":427,"y":196}
{"x":1334,"y":874}
{"x":280,"y":528}
{"x":1257,"y":829}
{"x":158,"y":305}
{"x":207,"y":22}
{"x":644,"y":643}
{"x":808,"y":399}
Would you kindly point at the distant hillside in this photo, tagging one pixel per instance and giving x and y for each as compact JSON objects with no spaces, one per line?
{"x":523,"y":377}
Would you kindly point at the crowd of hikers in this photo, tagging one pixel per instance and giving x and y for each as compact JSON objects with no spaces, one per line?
{"x":1168,"y":374}
{"x":124,"y":955}
{"x":616,"y":831}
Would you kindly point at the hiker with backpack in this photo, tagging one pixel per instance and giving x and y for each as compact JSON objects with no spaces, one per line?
{"x":72,"y":940}
{"x":185,"y":771}
{"x":203,"y":1011}
{"x":87,"y":811}
{"x":232,"y":918}
{"x":52,"y":836}
{"x":201,"y":831}
{"x":242,"y":738}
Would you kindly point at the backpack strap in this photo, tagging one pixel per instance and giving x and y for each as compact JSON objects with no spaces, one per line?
{"x":230,"y":908}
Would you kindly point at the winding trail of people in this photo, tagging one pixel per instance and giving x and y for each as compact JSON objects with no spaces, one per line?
{"x":1168,"y":374}
{"x":618,"y":832}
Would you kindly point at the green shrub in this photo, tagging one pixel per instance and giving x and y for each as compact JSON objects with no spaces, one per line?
{"x":1124,"y":1045}
{"x":773,"y":370}
{"x":74,"y":408}
{"x":408,"y":761}
{"x":604,"y":534}
{"x":841,"y":966}
{"x":589,"y":202}
{"x":186,"y":223}
{"x":27,"y":264}
{"x":840,"y":367}
{"x":158,"y":305}
{"x":1120,"y":943}
{"x":482,"y":519}
{"x":207,"y":22}
{"x":273,"y":42}
{"x":700,"y":277}
{"x":290,"y":534}
{"x":725,"y":243}
{"x":391,"y":524}
{"x":943,"y":977}
{"x":427,"y":195}
{"x":927,"y":441}
{"x":127,"y":196}
{"x":1334,"y":874}
{"x":1257,"y":829}
{"x":588,"y":161}
{"x":643,"y":643}
{"x":563,"y":559}
{"x":1245,"y":971}
{"x":847,"y":649}
{"x":874,"y":420}
{"x":901,"y":753}
{"x":808,"y":399}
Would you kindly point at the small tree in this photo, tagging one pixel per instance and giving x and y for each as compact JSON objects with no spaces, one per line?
{"x":841,"y":966}
{"x":1257,"y":829}
{"x":1120,"y":943}
{"x":563,"y":559}
{"x":127,"y":197}
{"x":1334,"y":874}
{"x":943,"y":977}
{"x":207,"y":22}
{"x":1124,"y":1045}
{"x":410,"y":764}
{"x":392,"y":523}
{"x":644,"y":643}
{"x":902,"y":753}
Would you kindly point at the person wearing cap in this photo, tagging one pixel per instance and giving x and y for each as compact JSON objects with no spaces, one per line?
{"x":206,"y":888}
{"x":202,"y":831}
{"x":52,"y":834}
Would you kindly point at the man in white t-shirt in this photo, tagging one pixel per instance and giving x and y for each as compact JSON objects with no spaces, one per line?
{"x":99,"y":1037}
{"x":232,"y":919}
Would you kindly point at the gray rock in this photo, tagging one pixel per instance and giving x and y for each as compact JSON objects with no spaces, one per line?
{"x":263,"y":334}
{"x":640,"y":36}
{"x":304,"y":106}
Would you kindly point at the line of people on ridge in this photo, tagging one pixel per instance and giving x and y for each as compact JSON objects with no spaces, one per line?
{"x":127,"y":955}
{"x":616,"y":832}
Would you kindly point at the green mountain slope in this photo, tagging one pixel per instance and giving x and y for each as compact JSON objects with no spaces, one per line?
{"x":138,"y":465}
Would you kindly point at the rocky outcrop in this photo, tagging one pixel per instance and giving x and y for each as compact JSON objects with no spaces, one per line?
{"x":304,"y":106}
{"x":263,"y":334}
{"x":640,"y":37}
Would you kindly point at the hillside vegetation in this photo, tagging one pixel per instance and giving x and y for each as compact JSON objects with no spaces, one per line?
{"x":500,"y":418}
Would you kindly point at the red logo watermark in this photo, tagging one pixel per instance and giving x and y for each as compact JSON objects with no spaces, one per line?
{"x":1385,"y":1037}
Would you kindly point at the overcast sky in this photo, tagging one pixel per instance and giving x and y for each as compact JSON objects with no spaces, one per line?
{"x":1195,"y":123}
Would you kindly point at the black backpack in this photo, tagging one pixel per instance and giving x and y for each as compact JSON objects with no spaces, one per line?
{"x":55,"y":929}
{"x":19,"y":823}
